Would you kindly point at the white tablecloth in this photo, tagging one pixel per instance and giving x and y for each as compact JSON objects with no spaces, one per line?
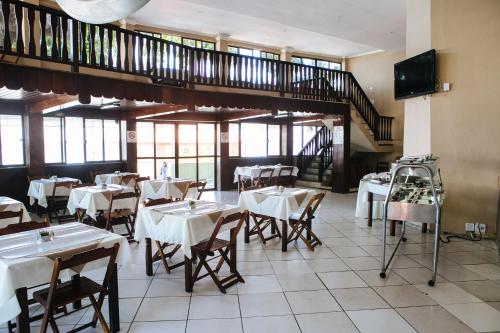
{"x":176,"y":223}
{"x":41,"y":188}
{"x":379,"y":193}
{"x":94,"y":199}
{"x":111,"y":178}
{"x":268,"y":201}
{"x":254,"y":171}
{"x":26,"y":263}
{"x":7,"y":203}
{"x":159,"y":188}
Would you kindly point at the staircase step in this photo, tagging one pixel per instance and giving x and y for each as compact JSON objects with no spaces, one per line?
{"x":312,"y":184}
{"x":309,"y":177}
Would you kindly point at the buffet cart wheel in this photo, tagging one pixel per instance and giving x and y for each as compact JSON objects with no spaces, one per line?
{"x":403,"y":239}
{"x":431,"y":283}
{"x":382,"y":275}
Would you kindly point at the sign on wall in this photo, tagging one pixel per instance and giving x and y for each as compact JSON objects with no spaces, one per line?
{"x":131,"y":137}
{"x":338,"y":135}
{"x":224,"y":137}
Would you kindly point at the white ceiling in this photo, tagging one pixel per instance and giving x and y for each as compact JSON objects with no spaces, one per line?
{"x":329,"y":27}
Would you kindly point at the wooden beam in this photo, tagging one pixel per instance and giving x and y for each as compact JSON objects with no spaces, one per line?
{"x":187,"y":116}
{"x":152,"y":110}
{"x":236,"y":115}
{"x":48,"y":102}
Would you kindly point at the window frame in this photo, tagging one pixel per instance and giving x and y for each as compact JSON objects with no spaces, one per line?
{"x":161,"y":35}
{"x":276,"y":56}
{"x":23,"y":139}
{"x":267,"y":139}
{"x":315,"y":62}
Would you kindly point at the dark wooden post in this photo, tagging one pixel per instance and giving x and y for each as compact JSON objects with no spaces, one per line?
{"x":289,"y":143}
{"x":131,"y":147}
{"x":341,"y":153}
{"x":35,"y":150}
{"x":225,"y":179}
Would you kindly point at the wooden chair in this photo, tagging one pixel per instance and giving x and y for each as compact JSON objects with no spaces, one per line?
{"x":209,"y":247}
{"x":128,"y":180}
{"x":38,"y":208}
{"x":80,"y":212}
{"x":57,"y":203}
{"x":124,"y":217}
{"x":95,"y":173}
{"x":23,"y":226}
{"x":138,"y":180}
{"x":61,"y":294}
{"x":261,"y":223}
{"x":9,"y":214}
{"x":265,"y":177}
{"x":161,"y":253}
{"x":285,"y":176}
{"x":199,"y":186}
{"x":303,"y":220}
{"x":30,"y":178}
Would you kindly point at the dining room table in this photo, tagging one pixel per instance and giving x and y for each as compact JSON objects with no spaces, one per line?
{"x":166,"y":188}
{"x":9,"y":204}
{"x":253,"y":172}
{"x":96,"y":198}
{"x":276,"y":202}
{"x":112,"y":178}
{"x":26,"y":262}
{"x":178,"y":223}
{"x":40,"y":189}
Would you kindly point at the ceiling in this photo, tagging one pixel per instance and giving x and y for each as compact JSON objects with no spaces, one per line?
{"x":328,"y":27}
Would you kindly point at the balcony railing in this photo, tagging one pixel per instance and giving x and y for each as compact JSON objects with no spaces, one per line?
{"x":46,"y":34}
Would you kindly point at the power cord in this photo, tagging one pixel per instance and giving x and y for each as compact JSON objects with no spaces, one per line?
{"x":471,"y":236}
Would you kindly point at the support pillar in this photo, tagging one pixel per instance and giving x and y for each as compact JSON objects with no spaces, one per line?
{"x":131,"y":147}
{"x":225,"y":181}
{"x":341,"y":153}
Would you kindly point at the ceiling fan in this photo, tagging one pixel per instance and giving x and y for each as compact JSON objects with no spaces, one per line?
{"x":100,"y":11}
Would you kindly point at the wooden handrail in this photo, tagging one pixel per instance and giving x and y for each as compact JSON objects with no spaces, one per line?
{"x":62,"y":39}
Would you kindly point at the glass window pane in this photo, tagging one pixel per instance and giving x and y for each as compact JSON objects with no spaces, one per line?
{"x":206,"y":171}
{"x":187,"y":140}
{"x":297,"y":139}
{"x":189,"y":42}
{"x":165,"y":140}
{"x":123,"y":125}
{"x":246,"y":52}
{"x":336,"y":66}
{"x":206,"y":139}
{"x":11,"y":131}
{"x":232,"y":49}
{"x":234,"y":140}
{"x":94,"y":139}
{"x":307,"y":61}
{"x":208,"y":45}
{"x":273,"y":140}
{"x":170,"y":167}
{"x":73,"y":128}
{"x":309,"y":132}
{"x":322,"y":64}
{"x":52,"y":139}
{"x":145,"y":143}
{"x":253,"y":140}
{"x":187,"y":168}
{"x":111,"y":140}
{"x":146,"y":167}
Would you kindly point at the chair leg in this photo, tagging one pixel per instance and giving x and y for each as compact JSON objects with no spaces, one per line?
{"x":97,"y":309}
{"x":214,"y":277}
{"x":53,"y":324}
{"x":162,"y":256}
{"x":231,"y":264}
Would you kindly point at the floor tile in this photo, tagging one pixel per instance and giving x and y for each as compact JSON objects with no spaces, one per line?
{"x":433,"y":319}
{"x":349,"y":251}
{"x":296,"y":282}
{"x":273,"y":324}
{"x":327,"y":265}
{"x":362,"y":263}
{"x":269,"y":304}
{"x":259,"y":284}
{"x":401,"y":296}
{"x":318,"y":253}
{"x":291,"y":267}
{"x":447,"y":293}
{"x":379,"y":321}
{"x":163,"y":308}
{"x":489,"y":271}
{"x":312,"y":301}
{"x":158,"y":327}
{"x":255,"y":268}
{"x":459,"y":273}
{"x":373,"y":279}
{"x":212,"y":307}
{"x":479,"y":316}
{"x":334,"y":280}
{"x":417,"y":275}
{"x":165,"y":287}
{"x":214,"y":326}
{"x":359,"y":299}
{"x":337,"y":322}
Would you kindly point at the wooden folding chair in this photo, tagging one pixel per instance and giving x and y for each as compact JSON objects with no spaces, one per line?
{"x":261,"y":223}
{"x":9,"y":214}
{"x":265,"y":177}
{"x":303,"y":221}
{"x":80,"y":212}
{"x":38,"y":208}
{"x":61,"y":294}
{"x":95,"y":173}
{"x":137,"y":186}
{"x":128,"y":180}
{"x":285,"y":176}
{"x":209,"y":247}
{"x":57,"y":203}
{"x":124,"y":217}
{"x":30,"y":178}
{"x":199,"y":186}
{"x":161,"y":253}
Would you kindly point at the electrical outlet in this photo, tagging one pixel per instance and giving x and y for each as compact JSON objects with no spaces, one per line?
{"x":469,"y":227}
{"x":482,"y":227}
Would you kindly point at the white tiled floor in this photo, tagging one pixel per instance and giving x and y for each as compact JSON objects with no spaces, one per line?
{"x":333,"y":289}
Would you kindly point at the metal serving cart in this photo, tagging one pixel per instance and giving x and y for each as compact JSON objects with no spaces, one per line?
{"x":415,"y":195}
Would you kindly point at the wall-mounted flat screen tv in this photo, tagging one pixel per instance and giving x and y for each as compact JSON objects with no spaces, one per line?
{"x":415,"y":76}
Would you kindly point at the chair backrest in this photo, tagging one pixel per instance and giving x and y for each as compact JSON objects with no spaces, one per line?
{"x":311,"y":207}
{"x":24,"y":226}
{"x":78,"y":260}
{"x":123,"y":196}
{"x":285,"y":171}
{"x":265,"y":176}
{"x":240,"y":217}
{"x":9,"y":214}
{"x":199,"y":186}
{"x":137,"y":181}
{"x":156,"y":202}
{"x":66,"y":184}
{"x":77,"y":185}
{"x":94,"y":173}
{"x":126,"y":179}
{"x":30,"y":178}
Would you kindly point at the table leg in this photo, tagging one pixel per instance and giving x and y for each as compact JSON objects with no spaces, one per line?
{"x":370,"y":209}
{"x":188,"y":274}
{"x":273,"y":229}
{"x":113,"y":302}
{"x":23,"y":319}
{"x":393,"y":228}
{"x":424,"y":228}
{"x":149,"y":258}
{"x":247,"y":229}
{"x":232,"y":250}
{"x":77,"y":304}
{"x":239,"y":184}
{"x":309,"y":225}
{"x":284,"y":235}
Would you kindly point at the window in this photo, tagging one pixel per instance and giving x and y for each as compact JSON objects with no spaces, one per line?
{"x":253,"y":53}
{"x":253,"y":140}
{"x":198,"y":43}
{"x":234,"y":139}
{"x":273,"y":140}
{"x":317,"y":62}
{"x":79,"y":140}
{"x":11,"y":140}
{"x":301,"y":136}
